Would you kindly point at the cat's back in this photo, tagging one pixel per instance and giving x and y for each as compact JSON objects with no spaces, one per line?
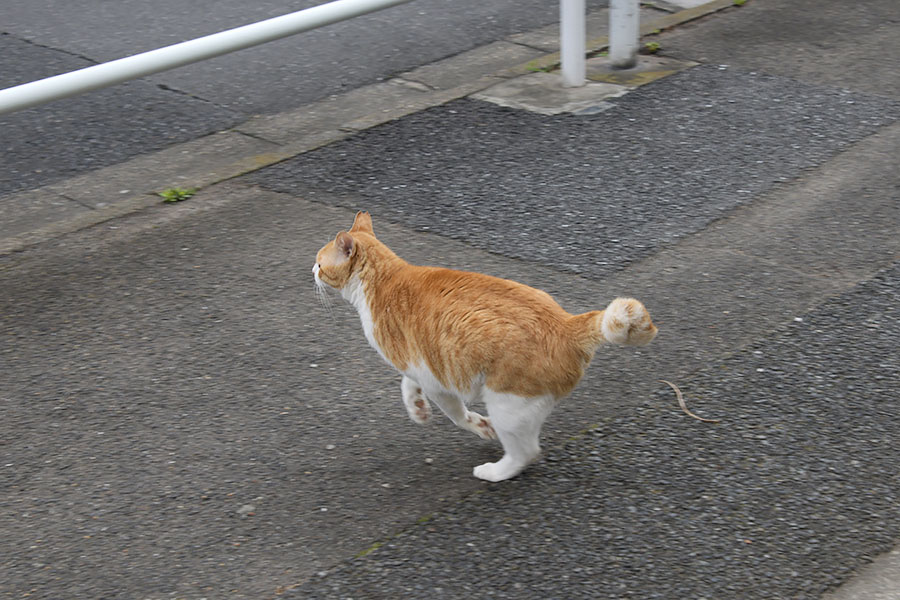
{"x":448,"y":291}
{"x":473,"y":312}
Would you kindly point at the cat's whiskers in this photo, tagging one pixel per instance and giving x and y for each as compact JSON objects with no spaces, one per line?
{"x":324,"y":300}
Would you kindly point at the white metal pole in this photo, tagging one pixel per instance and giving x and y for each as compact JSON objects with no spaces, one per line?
{"x":624,"y":33}
{"x":170,"y":57}
{"x":571,"y":42}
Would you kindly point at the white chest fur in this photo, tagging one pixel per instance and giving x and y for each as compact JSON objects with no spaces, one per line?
{"x":355,"y":294}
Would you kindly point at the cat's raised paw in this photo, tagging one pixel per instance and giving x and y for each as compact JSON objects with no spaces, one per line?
{"x":419,"y":410}
{"x":415,"y":401}
{"x":422,"y":410}
{"x":481,"y":426}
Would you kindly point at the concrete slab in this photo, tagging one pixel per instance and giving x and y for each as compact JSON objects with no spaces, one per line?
{"x":543,"y":93}
{"x":20,"y":213}
{"x":192,"y":164}
{"x":662,"y":5}
{"x":648,"y":69}
{"x":131,"y":186}
{"x":333,"y":113}
{"x":877,"y":581}
{"x":423,"y":102}
{"x":463,"y":68}
{"x":686,"y":3}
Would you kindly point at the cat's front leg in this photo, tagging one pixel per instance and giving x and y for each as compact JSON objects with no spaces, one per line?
{"x":455,"y":408}
{"x":415,"y":401}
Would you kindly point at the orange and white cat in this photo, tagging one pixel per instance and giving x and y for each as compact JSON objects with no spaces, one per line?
{"x":457,"y":337}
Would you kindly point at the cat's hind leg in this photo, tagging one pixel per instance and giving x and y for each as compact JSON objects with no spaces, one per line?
{"x":518,"y":422}
{"x":415,"y":401}
{"x":456,"y":409}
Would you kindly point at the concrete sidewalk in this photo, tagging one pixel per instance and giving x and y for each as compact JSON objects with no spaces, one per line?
{"x":183,"y":419}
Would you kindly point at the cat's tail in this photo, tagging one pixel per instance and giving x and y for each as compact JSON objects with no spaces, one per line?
{"x":625,"y":322}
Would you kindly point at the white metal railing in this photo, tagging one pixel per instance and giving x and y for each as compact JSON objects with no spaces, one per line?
{"x":178,"y":55}
{"x":624,"y":22}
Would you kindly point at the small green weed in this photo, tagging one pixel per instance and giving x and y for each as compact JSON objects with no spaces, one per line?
{"x":652,"y":47}
{"x":172,"y":195}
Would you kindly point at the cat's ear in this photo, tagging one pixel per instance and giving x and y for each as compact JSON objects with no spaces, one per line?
{"x":363,"y":223}
{"x":345,"y":244}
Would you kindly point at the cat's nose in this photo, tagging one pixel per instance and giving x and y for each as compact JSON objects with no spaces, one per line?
{"x":315,"y":269}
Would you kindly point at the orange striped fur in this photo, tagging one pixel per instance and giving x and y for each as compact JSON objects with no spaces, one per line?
{"x":459,"y":336}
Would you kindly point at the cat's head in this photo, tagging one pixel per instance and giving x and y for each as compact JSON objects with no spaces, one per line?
{"x":337,"y":260}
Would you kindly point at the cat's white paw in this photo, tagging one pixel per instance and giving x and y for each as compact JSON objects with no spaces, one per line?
{"x":496,"y":471}
{"x":481,"y":426}
{"x":419,"y":410}
{"x":417,"y":405}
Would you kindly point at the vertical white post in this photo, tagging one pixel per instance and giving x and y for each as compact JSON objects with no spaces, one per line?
{"x":624,"y":33}
{"x":571,"y":42}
